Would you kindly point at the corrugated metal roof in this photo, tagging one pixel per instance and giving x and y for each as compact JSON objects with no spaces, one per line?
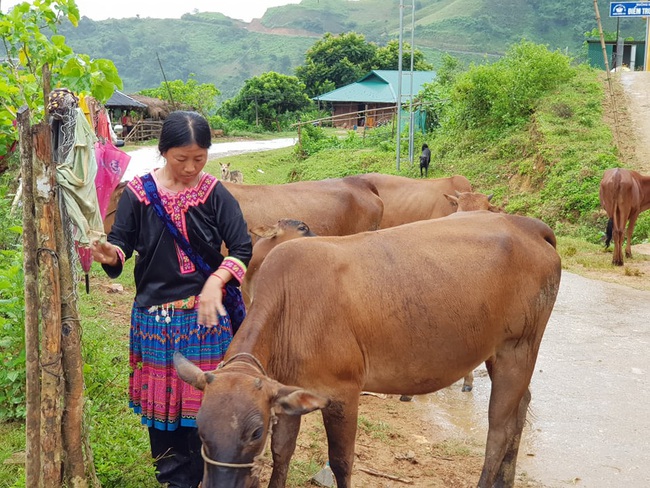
{"x":379,"y":86}
{"x":119,"y":99}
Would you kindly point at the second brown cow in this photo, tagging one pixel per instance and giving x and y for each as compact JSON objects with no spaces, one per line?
{"x":624,"y":194}
{"x":409,"y":200}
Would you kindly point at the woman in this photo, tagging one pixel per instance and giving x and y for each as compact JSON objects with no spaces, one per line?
{"x":182,"y":301}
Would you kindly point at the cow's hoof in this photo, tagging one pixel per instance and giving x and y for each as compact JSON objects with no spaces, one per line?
{"x":466,"y":388}
{"x":405,"y":398}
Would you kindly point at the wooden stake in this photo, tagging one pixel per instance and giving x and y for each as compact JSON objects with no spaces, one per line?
{"x":50,"y":305}
{"x":374,"y":472}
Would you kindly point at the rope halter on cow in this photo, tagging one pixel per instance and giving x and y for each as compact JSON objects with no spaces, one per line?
{"x":256,"y":465}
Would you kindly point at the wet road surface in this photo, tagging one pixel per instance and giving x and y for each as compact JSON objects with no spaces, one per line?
{"x":147,"y":158}
{"x":589,"y":418}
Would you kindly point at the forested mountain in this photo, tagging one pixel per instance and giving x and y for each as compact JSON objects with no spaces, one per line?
{"x":226,"y":52}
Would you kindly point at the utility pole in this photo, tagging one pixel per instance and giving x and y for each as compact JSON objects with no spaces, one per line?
{"x":399,"y":83}
{"x":411,"y":129}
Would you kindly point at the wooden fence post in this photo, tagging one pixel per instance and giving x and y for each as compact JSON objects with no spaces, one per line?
{"x":50,"y":306}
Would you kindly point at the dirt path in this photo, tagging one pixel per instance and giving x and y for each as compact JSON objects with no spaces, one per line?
{"x":636,"y":92}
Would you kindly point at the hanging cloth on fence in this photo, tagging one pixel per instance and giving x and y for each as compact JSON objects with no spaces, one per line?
{"x":111,"y":166}
{"x":76,"y":177}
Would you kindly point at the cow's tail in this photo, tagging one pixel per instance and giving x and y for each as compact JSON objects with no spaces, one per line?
{"x":608,"y":232}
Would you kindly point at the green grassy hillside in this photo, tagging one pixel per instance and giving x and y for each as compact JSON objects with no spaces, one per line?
{"x":226,"y":52}
{"x":549,"y":168}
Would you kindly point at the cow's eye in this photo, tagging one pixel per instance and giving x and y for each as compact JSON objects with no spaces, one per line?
{"x":303,"y":228}
{"x":257,"y":433}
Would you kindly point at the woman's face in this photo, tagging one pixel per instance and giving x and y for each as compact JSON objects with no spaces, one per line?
{"x":184,"y":163}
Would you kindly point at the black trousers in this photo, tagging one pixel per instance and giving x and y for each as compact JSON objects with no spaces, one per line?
{"x":177,"y":456}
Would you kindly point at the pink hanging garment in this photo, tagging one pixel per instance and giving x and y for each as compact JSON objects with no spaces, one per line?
{"x":111,"y":166}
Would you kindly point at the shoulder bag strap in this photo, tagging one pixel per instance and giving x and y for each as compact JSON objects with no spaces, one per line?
{"x":151,"y":190}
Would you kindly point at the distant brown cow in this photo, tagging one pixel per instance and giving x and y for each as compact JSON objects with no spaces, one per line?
{"x":269,"y":236}
{"x":624,"y":194}
{"x":409,"y":200}
{"x":334,"y":316}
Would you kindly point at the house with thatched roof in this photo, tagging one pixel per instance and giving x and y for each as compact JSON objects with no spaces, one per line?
{"x":121,"y":101}
{"x":157,"y":109}
{"x":147,"y":113}
{"x":147,"y":107}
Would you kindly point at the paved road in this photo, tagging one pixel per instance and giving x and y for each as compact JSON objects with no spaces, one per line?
{"x":589,"y":419}
{"x":147,"y":158}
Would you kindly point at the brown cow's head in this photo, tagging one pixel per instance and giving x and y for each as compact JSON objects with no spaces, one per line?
{"x":469,"y":201}
{"x":283,"y":230}
{"x":237,"y":412}
{"x":268,"y":237}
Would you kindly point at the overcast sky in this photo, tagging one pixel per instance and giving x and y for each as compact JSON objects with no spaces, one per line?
{"x":237,"y":9}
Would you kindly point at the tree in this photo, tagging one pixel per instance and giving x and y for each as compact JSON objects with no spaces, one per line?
{"x":436,"y":95}
{"x":340,"y":60}
{"x":387,"y":57}
{"x":53,"y":361}
{"x":28,"y":50}
{"x":265,"y":98}
{"x":201,"y":97}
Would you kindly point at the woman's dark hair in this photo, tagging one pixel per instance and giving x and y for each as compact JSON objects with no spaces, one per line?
{"x":424,"y":146}
{"x":182,"y":128}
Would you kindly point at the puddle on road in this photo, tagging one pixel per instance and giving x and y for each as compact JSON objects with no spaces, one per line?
{"x":588,"y":423}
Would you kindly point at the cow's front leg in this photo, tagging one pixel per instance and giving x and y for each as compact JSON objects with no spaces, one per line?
{"x":283,"y":444}
{"x":340,"y":419}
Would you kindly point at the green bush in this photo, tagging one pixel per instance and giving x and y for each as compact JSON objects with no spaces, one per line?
{"x":12,"y":311}
{"x":503,"y":94}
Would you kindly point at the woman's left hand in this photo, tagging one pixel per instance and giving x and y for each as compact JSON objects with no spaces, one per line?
{"x":211,"y":302}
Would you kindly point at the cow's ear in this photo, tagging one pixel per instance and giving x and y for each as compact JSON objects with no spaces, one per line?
{"x":265,"y":231}
{"x":191,"y":373}
{"x":296,"y":401}
{"x":452,"y":199}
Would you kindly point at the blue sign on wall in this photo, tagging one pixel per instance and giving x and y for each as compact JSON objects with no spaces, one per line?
{"x":629,"y":9}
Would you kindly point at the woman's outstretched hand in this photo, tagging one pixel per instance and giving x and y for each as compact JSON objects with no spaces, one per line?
{"x":105,"y":253}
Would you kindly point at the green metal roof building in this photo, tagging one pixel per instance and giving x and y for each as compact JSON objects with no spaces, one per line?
{"x":373,"y":99}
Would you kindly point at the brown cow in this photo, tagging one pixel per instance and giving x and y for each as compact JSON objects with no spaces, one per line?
{"x":268,"y":238}
{"x":409,"y":200}
{"x":333,"y":316}
{"x":624,"y":194}
{"x":334,"y":207}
